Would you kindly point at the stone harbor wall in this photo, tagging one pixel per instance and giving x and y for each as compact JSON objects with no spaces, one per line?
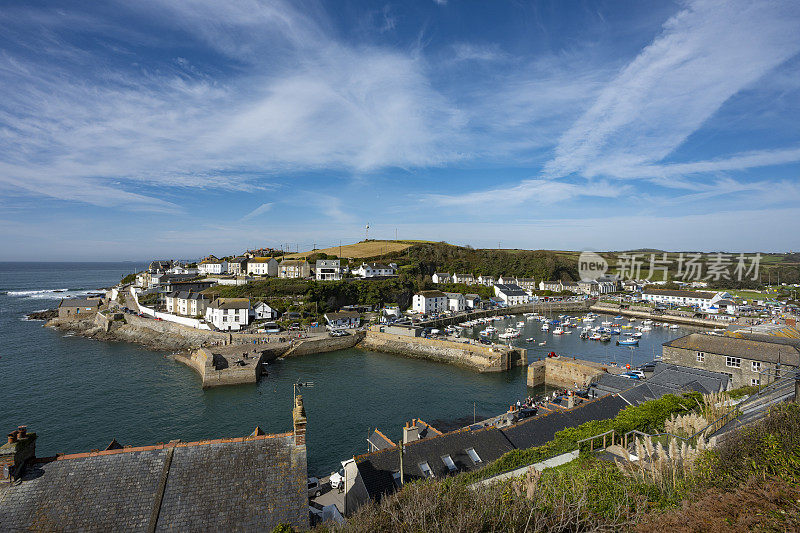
{"x":475,"y":357}
{"x":564,"y":372}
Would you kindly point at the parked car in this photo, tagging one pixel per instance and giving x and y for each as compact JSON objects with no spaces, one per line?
{"x":632,"y":375}
{"x":314,"y":487}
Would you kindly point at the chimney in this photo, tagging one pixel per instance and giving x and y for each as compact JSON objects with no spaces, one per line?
{"x":299,"y":420}
{"x":20,"y":448}
{"x":411,"y":432}
{"x":570,"y":400}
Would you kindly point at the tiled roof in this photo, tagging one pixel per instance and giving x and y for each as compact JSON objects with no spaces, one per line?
{"x":342,"y":314}
{"x":754,"y":350}
{"x":260,"y":259}
{"x":377,"y":468}
{"x":542,"y":428}
{"x":79,"y":302}
{"x":250,"y":483}
{"x":230,"y":303}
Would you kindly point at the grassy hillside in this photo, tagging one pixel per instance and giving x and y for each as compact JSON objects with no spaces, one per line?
{"x":359,"y":250}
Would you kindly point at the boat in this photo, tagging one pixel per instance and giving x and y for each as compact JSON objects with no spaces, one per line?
{"x":595,"y":337}
{"x":558,"y":331}
{"x":530,"y":339}
{"x":673,"y":326}
{"x":646,"y":328}
{"x":636,"y":335}
{"x":584,"y":335}
{"x":520,"y":324}
{"x":605,"y":338}
{"x":614,"y":331}
{"x":631,"y":341}
{"x":542,"y":343}
{"x":567,"y":332}
{"x":606,"y":323}
{"x":545,"y":326}
{"x":618,"y":317}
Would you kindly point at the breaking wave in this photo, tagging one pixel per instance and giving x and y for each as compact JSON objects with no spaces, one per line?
{"x":50,"y":294}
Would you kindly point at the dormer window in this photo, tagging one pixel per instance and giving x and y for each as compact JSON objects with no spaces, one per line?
{"x":473,"y":455}
{"x":448,"y":462}
{"x":426,"y":469}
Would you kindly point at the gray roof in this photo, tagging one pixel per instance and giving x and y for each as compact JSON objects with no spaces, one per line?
{"x":681,"y":294}
{"x":251,"y":483}
{"x":455,"y":295}
{"x":511,"y":289}
{"x":432,"y":294}
{"x":79,"y":302}
{"x":230,"y":303}
{"x":756,"y":350}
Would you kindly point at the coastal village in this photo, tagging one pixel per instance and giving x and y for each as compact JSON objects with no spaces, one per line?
{"x":747,"y":344}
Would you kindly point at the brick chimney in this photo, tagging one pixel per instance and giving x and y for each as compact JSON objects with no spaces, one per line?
{"x":299,"y":420}
{"x":20,"y":448}
{"x":411,"y":432}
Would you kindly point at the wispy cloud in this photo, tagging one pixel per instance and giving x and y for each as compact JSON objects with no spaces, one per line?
{"x":708,"y":52}
{"x":260,"y":210}
{"x":536,"y":191}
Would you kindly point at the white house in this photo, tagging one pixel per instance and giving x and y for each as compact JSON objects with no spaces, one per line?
{"x":472,"y":301}
{"x":212,"y":267}
{"x":486,"y":280}
{"x":343,"y":319}
{"x":294,"y":268}
{"x":262,"y":266}
{"x":262,"y":311}
{"x":429,"y":302}
{"x":506,"y":280}
{"x":527,"y":284}
{"x":456,"y":301}
{"x":374,"y":270}
{"x":554,"y":286}
{"x":511,"y":294}
{"x":441,"y":277}
{"x":466,"y":279}
{"x":700,"y":299}
{"x":186,"y":303}
{"x":228,"y":314}
{"x":177,"y":268}
{"x":328,"y":269}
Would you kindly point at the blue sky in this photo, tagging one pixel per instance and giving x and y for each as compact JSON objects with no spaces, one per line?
{"x":131,"y":130}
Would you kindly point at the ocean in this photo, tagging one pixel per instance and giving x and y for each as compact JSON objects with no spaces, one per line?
{"x":78,"y":394}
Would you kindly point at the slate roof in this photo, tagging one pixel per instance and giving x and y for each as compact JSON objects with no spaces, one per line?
{"x":230,"y":303}
{"x":377,"y":468}
{"x":250,"y":483}
{"x":79,"y":302}
{"x":511,"y":289}
{"x":260,"y":259}
{"x":755,"y":350}
{"x":433,"y":294}
{"x":342,"y":314}
{"x":681,"y":294}
{"x":542,"y":428}
{"x":379,"y":440}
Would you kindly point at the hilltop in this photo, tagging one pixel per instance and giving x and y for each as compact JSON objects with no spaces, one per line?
{"x":360,"y":250}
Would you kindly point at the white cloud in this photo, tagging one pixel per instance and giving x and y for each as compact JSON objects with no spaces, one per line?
{"x":541,"y":192}
{"x":708,"y":52}
{"x":260,"y":210}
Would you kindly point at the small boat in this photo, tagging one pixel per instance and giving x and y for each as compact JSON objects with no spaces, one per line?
{"x":584,"y":335}
{"x":673,"y":326}
{"x":594,"y":337}
{"x":618,"y":317}
{"x":542,"y":343}
{"x":632,"y":341}
{"x":530,"y":339}
{"x":646,"y":328}
{"x":520,"y":324}
{"x":545,"y":326}
{"x":614,"y":331}
{"x":605,"y":338}
{"x":558,"y":331}
{"x":567,"y":332}
{"x":606,"y":323}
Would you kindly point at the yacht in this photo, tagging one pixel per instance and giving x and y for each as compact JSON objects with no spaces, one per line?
{"x":558,"y":331}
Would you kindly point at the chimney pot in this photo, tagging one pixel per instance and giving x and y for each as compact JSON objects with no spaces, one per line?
{"x":12,"y":437}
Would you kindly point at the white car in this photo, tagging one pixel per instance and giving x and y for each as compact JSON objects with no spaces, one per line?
{"x":337,"y":479}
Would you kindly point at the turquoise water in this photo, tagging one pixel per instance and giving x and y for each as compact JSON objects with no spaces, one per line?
{"x":78,"y":394}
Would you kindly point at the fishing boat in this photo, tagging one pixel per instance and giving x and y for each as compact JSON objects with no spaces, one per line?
{"x":595,"y":337}
{"x":606,"y":323}
{"x":614,"y":331}
{"x":646,"y":328}
{"x":567,"y":332}
{"x":520,"y":324}
{"x":530,"y":339}
{"x":558,"y":331}
{"x":605,"y":338}
{"x":618,"y":317}
{"x":673,"y":326}
{"x":584,"y":335}
{"x":542,"y":343}
{"x":631,"y":341}
{"x":545,"y":326}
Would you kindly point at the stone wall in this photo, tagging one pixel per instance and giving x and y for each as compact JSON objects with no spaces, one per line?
{"x":740,"y":377}
{"x":475,"y":357}
{"x":563,"y":372}
{"x":323,"y":344}
{"x":614,"y":309}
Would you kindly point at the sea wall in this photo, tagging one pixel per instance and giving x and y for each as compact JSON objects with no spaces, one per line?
{"x":563,"y":372}
{"x":666,"y":317}
{"x":473,"y":356}
{"x":323,"y":344}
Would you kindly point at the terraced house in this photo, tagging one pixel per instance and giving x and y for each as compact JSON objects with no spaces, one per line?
{"x":262,"y":266}
{"x":228,"y":314}
{"x":294,"y":268}
{"x":746,"y":361}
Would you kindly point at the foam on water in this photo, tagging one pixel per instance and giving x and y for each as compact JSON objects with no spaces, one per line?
{"x":50,"y":294}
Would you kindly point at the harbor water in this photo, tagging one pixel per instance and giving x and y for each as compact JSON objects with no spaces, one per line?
{"x":77,"y":394}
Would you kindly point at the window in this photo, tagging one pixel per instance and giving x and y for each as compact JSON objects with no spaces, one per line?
{"x":755,"y":382}
{"x":448,"y":462}
{"x":756,"y":365}
{"x":473,"y":455}
{"x":396,"y":478}
{"x":733,"y":362}
{"x":701,"y":357}
{"x":426,"y":469}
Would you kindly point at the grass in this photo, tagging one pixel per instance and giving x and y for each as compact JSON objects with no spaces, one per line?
{"x":748,"y":295}
{"x":360,"y":249}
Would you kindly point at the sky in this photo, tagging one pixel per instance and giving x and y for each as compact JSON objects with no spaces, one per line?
{"x":134,"y":130}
